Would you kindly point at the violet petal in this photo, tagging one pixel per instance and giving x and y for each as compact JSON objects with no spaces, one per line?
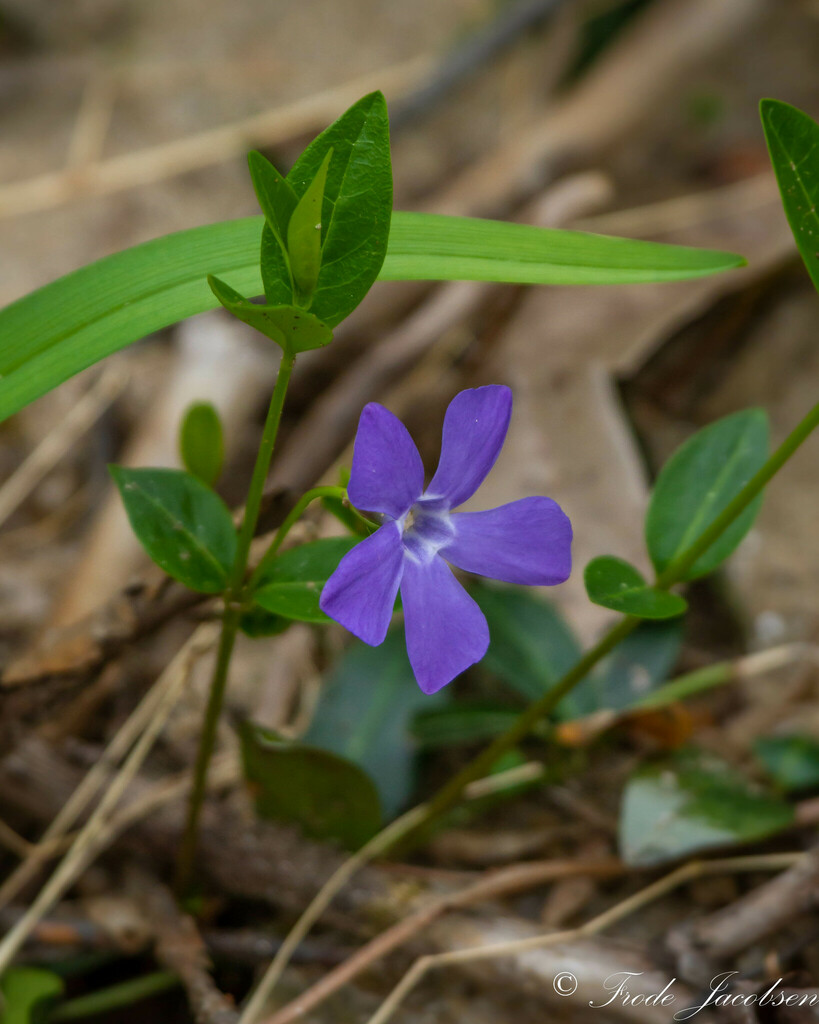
{"x":446,"y":630}
{"x":475,"y":428}
{"x":361,"y":592}
{"x":387,"y":474}
{"x":527,"y":541}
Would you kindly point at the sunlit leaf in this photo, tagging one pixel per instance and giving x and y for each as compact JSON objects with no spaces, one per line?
{"x":292,"y":585}
{"x":60,"y":329}
{"x":25,"y":993}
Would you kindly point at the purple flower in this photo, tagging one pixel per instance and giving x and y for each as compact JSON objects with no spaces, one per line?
{"x":526,"y":541}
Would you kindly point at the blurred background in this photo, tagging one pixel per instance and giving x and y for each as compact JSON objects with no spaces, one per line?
{"x":121,"y":121}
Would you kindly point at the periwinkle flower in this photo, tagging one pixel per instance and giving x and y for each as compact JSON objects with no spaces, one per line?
{"x":526,"y":541}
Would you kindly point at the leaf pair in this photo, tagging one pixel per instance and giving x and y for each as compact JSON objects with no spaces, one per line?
{"x":693,"y":488}
{"x":325,"y":233}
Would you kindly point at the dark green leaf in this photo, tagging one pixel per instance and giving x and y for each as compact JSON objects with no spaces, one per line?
{"x":201,"y":442}
{"x":304,"y":235}
{"x":292,"y":585}
{"x":72,"y":323}
{"x":693,"y":802}
{"x":25,"y":993}
{"x":793,"y":143}
{"x":460,"y":723}
{"x":616,"y":584}
{"x":634,"y":669}
{"x":792,"y":761}
{"x":530,"y":645}
{"x":328,"y":796}
{"x":290,"y":327}
{"x":357,"y":207}
{"x":185,"y":528}
{"x":696,"y":484}
{"x":365,"y":713}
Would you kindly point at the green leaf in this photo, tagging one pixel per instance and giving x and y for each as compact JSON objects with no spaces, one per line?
{"x":72,"y":323}
{"x":616,"y":584}
{"x":328,"y":796}
{"x":693,"y":802}
{"x":696,"y":484}
{"x":791,"y":761}
{"x":292,"y":585}
{"x":292,"y":328}
{"x":355,"y":219}
{"x":201,"y":442}
{"x":185,"y":528}
{"x":256,"y":623}
{"x":365,"y":712}
{"x":275,"y":194}
{"x":634,"y":669}
{"x":23,"y":993}
{"x":304,"y":235}
{"x":793,"y":144}
{"x":463,"y":722}
{"x":530,"y":645}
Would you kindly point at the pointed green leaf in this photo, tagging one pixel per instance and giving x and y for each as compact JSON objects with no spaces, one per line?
{"x":793,"y":144}
{"x":696,"y":484}
{"x":185,"y":528}
{"x":292,"y":585}
{"x":304,"y":234}
{"x":72,"y":323}
{"x":693,"y":802}
{"x":24,"y":991}
{"x":293,"y":329}
{"x":275,"y":194}
{"x":355,"y":219}
{"x":328,"y":796}
{"x":614,"y":583}
{"x":201,"y":442}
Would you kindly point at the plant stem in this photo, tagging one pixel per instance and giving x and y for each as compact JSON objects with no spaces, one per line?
{"x":125,"y":994}
{"x":292,"y":518}
{"x":231,"y":617}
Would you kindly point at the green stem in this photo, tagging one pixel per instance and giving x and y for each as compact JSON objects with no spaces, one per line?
{"x":234,"y":595}
{"x":292,"y":518}
{"x":449,"y":794}
{"x":116,"y":996}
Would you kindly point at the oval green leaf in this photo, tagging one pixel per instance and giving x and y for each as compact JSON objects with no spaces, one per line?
{"x":693,"y":802}
{"x":304,"y":235}
{"x":184,"y":527}
{"x":793,"y":144}
{"x":201,"y":442}
{"x":696,"y":484}
{"x":357,"y":206}
{"x":292,"y":586}
{"x":614,"y":583}
{"x":329,"y":797}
